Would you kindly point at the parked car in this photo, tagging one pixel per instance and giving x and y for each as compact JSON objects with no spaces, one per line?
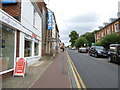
{"x":83,"y":50}
{"x":114,"y":53}
{"x":98,"y":51}
{"x":73,"y":48}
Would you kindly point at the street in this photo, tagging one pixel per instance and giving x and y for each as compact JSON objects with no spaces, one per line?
{"x":95,"y":72}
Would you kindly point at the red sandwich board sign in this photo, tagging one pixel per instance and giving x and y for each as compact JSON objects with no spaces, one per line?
{"x":20,"y":66}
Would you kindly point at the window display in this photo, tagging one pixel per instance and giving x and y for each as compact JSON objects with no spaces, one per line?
{"x":28,"y":48}
{"x":7,"y":46}
{"x":36,"y":48}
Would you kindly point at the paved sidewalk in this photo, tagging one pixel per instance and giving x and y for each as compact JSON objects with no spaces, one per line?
{"x":33,"y":72}
{"x":56,"y":75}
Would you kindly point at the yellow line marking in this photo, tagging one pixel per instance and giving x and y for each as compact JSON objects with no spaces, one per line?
{"x":77,"y":82}
{"x":80,"y":79}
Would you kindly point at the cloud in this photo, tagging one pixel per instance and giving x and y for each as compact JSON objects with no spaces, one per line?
{"x":88,"y":17}
{"x":80,"y":23}
{"x":81,"y":15}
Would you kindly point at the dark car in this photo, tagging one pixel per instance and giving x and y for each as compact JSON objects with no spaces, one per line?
{"x":98,"y":51}
{"x":83,"y":50}
{"x":114,"y":53}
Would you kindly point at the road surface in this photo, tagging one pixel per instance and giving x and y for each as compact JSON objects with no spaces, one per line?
{"x":95,"y":72}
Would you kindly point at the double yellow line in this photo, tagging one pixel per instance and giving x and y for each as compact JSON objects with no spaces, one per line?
{"x":78,"y":79}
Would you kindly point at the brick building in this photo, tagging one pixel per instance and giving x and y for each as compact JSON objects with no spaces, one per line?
{"x":112,"y":27}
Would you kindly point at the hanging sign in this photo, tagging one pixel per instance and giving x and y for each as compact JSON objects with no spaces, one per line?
{"x":50,"y":20}
{"x":20,"y":67}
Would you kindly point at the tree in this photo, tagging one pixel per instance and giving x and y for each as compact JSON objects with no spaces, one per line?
{"x":73,"y":36}
{"x":90,"y":37}
{"x":80,"y":42}
{"x":98,"y":43}
{"x":110,"y":39}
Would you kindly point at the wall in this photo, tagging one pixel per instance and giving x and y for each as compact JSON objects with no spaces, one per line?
{"x":31,"y":19}
{"x":13,"y":9}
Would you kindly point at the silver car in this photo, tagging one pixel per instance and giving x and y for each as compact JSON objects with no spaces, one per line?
{"x":83,"y":50}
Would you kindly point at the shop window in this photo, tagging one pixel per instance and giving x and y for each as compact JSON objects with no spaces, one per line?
{"x":7,"y":46}
{"x":36,"y":48}
{"x":28,"y":48}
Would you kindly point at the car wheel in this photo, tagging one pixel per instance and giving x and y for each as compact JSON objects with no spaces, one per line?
{"x":109,"y":59}
{"x":96,"y":55}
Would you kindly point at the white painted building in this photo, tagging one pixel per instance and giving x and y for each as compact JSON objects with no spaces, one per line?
{"x":30,"y":36}
{"x":31,"y":19}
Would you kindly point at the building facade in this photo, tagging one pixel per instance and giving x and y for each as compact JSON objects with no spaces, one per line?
{"x":21,"y":34}
{"x":112,"y":27}
{"x":44,"y":10}
{"x":52,"y":36}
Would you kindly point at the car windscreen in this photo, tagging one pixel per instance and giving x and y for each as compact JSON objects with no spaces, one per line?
{"x":112,"y":49}
{"x":82,"y":48}
{"x":100,"y":48}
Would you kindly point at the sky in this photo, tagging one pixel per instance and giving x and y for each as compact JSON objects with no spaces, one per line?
{"x":81,"y":15}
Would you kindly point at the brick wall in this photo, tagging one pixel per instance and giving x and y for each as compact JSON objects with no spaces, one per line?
{"x":13,"y":10}
{"x":119,"y":26}
{"x":112,"y":29}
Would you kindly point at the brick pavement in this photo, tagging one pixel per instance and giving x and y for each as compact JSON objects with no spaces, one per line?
{"x":56,"y":75}
{"x":33,"y":72}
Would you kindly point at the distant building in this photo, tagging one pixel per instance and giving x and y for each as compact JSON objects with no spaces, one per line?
{"x":112,"y":27}
{"x":52,"y":36}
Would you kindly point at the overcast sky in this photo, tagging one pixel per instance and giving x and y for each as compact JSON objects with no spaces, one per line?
{"x":81,"y":15}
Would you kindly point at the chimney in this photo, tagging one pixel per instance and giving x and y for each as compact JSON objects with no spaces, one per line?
{"x":112,"y":20}
{"x":118,"y":14}
{"x":100,"y":27}
{"x":105,"y":24}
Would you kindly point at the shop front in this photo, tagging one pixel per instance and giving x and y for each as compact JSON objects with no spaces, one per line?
{"x":28,"y":45}
{"x":30,"y":48}
{"x":7,"y":47}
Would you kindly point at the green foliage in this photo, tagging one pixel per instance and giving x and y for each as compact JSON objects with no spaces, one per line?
{"x":73,"y":36}
{"x":80,"y":42}
{"x":90,"y":37}
{"x":109,"y":39}
{"x":98,"y":44}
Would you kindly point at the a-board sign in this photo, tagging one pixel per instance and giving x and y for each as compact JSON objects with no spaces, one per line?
{"x":20,"y":66}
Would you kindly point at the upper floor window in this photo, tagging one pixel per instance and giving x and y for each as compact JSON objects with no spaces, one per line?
{"x":34,"y":16}
{"x":116,"y":28}
{"x":103,"y":34}
{"x":108,"y":30}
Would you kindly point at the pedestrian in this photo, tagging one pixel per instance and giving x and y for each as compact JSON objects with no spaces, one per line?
{"x":63,"y":49}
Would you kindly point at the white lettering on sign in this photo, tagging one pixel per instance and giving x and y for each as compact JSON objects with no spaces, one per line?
{"x":8,"y":21}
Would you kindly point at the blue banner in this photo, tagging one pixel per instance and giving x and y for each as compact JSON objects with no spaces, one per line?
{"x":50,"y":20}
{"x":8,"y":1}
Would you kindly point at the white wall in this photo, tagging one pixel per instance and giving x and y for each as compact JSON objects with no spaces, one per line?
{"x":27,"y":11}
{"x":27,"y":19}
{"x":27,"y":15}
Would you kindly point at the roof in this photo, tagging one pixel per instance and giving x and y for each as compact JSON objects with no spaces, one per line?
{"x":109,"y":24}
